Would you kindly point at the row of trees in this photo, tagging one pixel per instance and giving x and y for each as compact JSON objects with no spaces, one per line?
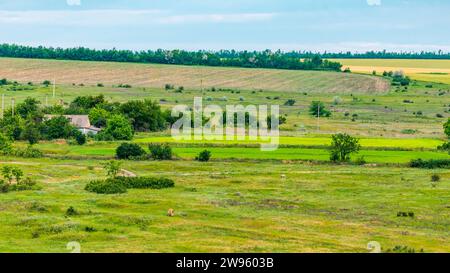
{"x":384,"y":54}
{"x":251,"y":59}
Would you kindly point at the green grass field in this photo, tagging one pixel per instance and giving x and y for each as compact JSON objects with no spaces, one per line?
{"x":229,"y":207}
{"x":239,"y":201}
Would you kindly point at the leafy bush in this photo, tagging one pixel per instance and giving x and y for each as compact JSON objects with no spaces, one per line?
{"x":403,"y":249}
{"x":129,"y":150}
{"x":204,"y":156}
{"x":435,"y":178}
{"x":71,"y":211}
{"x":445,"y":147}
{"x":121,"y":184}
{"x":25,"y":185}
{"x":318,"y":109}
{"x":4,"y":187}
{"x":447,"y":128}
{"x":28,"y":152}
{"x":290,"y":102}
{"x":361,"y":161}
{"x":80,"y":138}
{"x":160,"y":151}
{"x":145,"y":182}
{"x":430,"y":164}
{"x":106,"y":187}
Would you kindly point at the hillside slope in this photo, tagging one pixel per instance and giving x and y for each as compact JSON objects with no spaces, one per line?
{"x":145,"y":75}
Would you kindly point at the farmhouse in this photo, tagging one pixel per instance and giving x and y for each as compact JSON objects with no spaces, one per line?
{"x":81,"y":122}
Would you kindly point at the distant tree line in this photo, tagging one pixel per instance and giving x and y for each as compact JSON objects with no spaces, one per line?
{"x":377,"y":55}
{"x":225,"y":58}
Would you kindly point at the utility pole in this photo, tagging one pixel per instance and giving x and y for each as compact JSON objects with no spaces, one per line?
{"x":46,"y":100}
{"x":3,"y":105}
{"x":54,"y":88}
{"x":318,"y":117}
{"x":13,"y":101}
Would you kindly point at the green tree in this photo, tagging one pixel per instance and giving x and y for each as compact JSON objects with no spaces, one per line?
{"x":118,"y":128}
{"x":31,"y":133}
{"x":58,"y":128}
{"x":342,"y":146}
{"x":129,"y":150}
{"x":447,"y":128}
{"x":10,"y":173}
{"x":28,"y":108}
{"x":318,"y":109}
{"x":5,"y":144}
{"x":112,"y":168}
{"x":144,"y":115}
{"x":98,"y":117}
{"x":12,"y":126}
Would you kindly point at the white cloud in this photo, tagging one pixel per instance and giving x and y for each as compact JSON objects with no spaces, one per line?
{"x":216,"y":18}
{"x":374,"y":2}
{"x":74,"y":2}
{"x":109,"y":17}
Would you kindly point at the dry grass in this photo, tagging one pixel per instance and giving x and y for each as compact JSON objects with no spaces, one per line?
{"x":423,"y":70}
{"x":147,"y":75}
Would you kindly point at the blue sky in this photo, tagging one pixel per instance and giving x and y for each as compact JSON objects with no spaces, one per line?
{"x":318,"y":25}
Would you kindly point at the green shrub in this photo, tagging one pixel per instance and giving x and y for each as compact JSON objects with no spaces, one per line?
{"x":80,"y":138}
{"x":445,"y":147}
{"x":121,"y":184}
{"x":403,"y":249}
{"x":145,"y":182}
{"x":109,"y":186}
{"x":204,"y":156}
{"x":290,"y":102}
{"x":28,"y":152}
{"x":129,"y":150}
{"x":160,"y":151}
{"x":361,"y":161}
{"x":5,"y":145}
{"x":430,"y":164}
{"x":71,"y":211}
{"x":26,"y":184}
{"x":317,"y":109}
{"x":435,"y":178}
{"x":4,"y":187}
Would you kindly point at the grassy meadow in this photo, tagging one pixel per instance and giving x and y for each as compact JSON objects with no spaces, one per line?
{"x":243,"y":200}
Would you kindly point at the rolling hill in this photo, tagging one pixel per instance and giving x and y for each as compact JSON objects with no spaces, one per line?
{"x":194,"y":77}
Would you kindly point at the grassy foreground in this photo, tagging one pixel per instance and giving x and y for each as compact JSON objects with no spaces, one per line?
{"x":228,"y":207}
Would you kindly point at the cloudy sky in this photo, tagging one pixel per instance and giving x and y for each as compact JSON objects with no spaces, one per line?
{"x":318,"y":25}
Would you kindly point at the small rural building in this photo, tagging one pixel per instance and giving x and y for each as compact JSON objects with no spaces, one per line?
{"x":81,"y":122}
